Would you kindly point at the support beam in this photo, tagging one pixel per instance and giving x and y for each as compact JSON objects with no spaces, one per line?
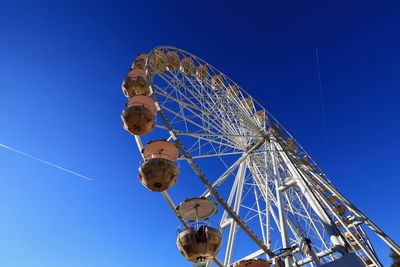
{"x":281,"y":209}
{"x":311,"y":199}
{"x":238,"y":199}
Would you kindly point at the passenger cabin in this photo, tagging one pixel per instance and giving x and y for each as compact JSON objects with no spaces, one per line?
{"x":202,"y":73}
{"x":172,"y":62}
{"x":187,"y":66}
{"x":323,"y":189}
{"x":157,"y":62}
{"x":247,"y":103}
{"x":350,"y":237}
{"x":199,"y":245}
{"x":340,"y":209}
{"x":140,"y":62}
{"x":291,"y":144}
{"x":261,"y":116}
{"x":305,"y":159}
{"x":347,"y":220}
{"x":232,"y":92}
{"x":159,"y":171}
{"x":367,"y":261}
{"x":198,"y":241}
{"x":332,"y":199}
{"x":140,"y":114}
{"x":252,"y":263}
{"x":217,"y":82}
{"x":135,"y":83}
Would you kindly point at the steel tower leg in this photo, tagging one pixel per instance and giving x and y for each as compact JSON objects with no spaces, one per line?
{"x":363,"y":217}
{"x":238,"y":198}
{"x":281,"y":208}
{"x":316,"y":206}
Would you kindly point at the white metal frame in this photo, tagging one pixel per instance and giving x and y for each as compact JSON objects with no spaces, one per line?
{"x":269,"y":185}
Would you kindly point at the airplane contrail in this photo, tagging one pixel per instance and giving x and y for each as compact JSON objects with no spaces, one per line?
{"x":45,"y":162}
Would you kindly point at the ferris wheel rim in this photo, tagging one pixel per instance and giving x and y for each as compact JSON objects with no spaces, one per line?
{"x":192,"y":162}
{"x":280,"y":125}
{"x":174,"y":135}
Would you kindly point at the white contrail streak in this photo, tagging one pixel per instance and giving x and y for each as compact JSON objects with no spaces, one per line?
{"x":45,"y":162}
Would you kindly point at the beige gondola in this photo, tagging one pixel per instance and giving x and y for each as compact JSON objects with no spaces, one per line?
{"x":187,"y":66}
{"x":340,"y":209}
{"x":139,"y":116}
{"x":355,"y":245}
{"x":350,"y":237}
{"x":262,"y":116}
{"x":172,"y":61}
{"x":323,"y":189}
{"x":332,"y":199}
{"x":232,"y":92}
{"x":196,"y":208}
{"x":247,"y":103}
{"x":159,"y":170}
{"x":135,"y":83}
{"x":290,"y":143}
{"x":347,"y":220}
{"x":305,"y":167}
{"x":199,"y":245}
{"x":140,"y":61}
{"x":305,"y":159}
{"x":276,"y":130}
{"x":157,"y":62}
{"x":217,"y":82}
{"x":202,"y":73}
{"x":252,"y":263}
{"x":368,"y":261}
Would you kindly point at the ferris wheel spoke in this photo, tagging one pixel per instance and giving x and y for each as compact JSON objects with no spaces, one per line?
{"x":277,"y":194}
{"x":201,"y":114}
{"x":224,"y":145}
{"x":219,"y":111}
{"x":235,"y":165}
{"x":216,"y":155}
{"x":194,"y":99}
{"x":303,"y":216}
{"x":291,"y":226}
{"x":193,"y":123}
{"x":206,"y":124}
{"x":241,"y":112}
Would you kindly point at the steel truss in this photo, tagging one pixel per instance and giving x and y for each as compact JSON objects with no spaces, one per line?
{"x":274,"y":197}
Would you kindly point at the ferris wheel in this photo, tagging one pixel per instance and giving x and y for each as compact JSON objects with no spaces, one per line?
{"x":244,"y":190}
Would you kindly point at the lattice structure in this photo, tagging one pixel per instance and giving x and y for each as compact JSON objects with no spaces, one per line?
{"x":277,"y":207}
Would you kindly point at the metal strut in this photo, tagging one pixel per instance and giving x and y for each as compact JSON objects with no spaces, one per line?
{"x":209,"y":186}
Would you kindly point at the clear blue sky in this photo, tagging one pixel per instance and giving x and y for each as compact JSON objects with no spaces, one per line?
{"x":61,"y":65}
